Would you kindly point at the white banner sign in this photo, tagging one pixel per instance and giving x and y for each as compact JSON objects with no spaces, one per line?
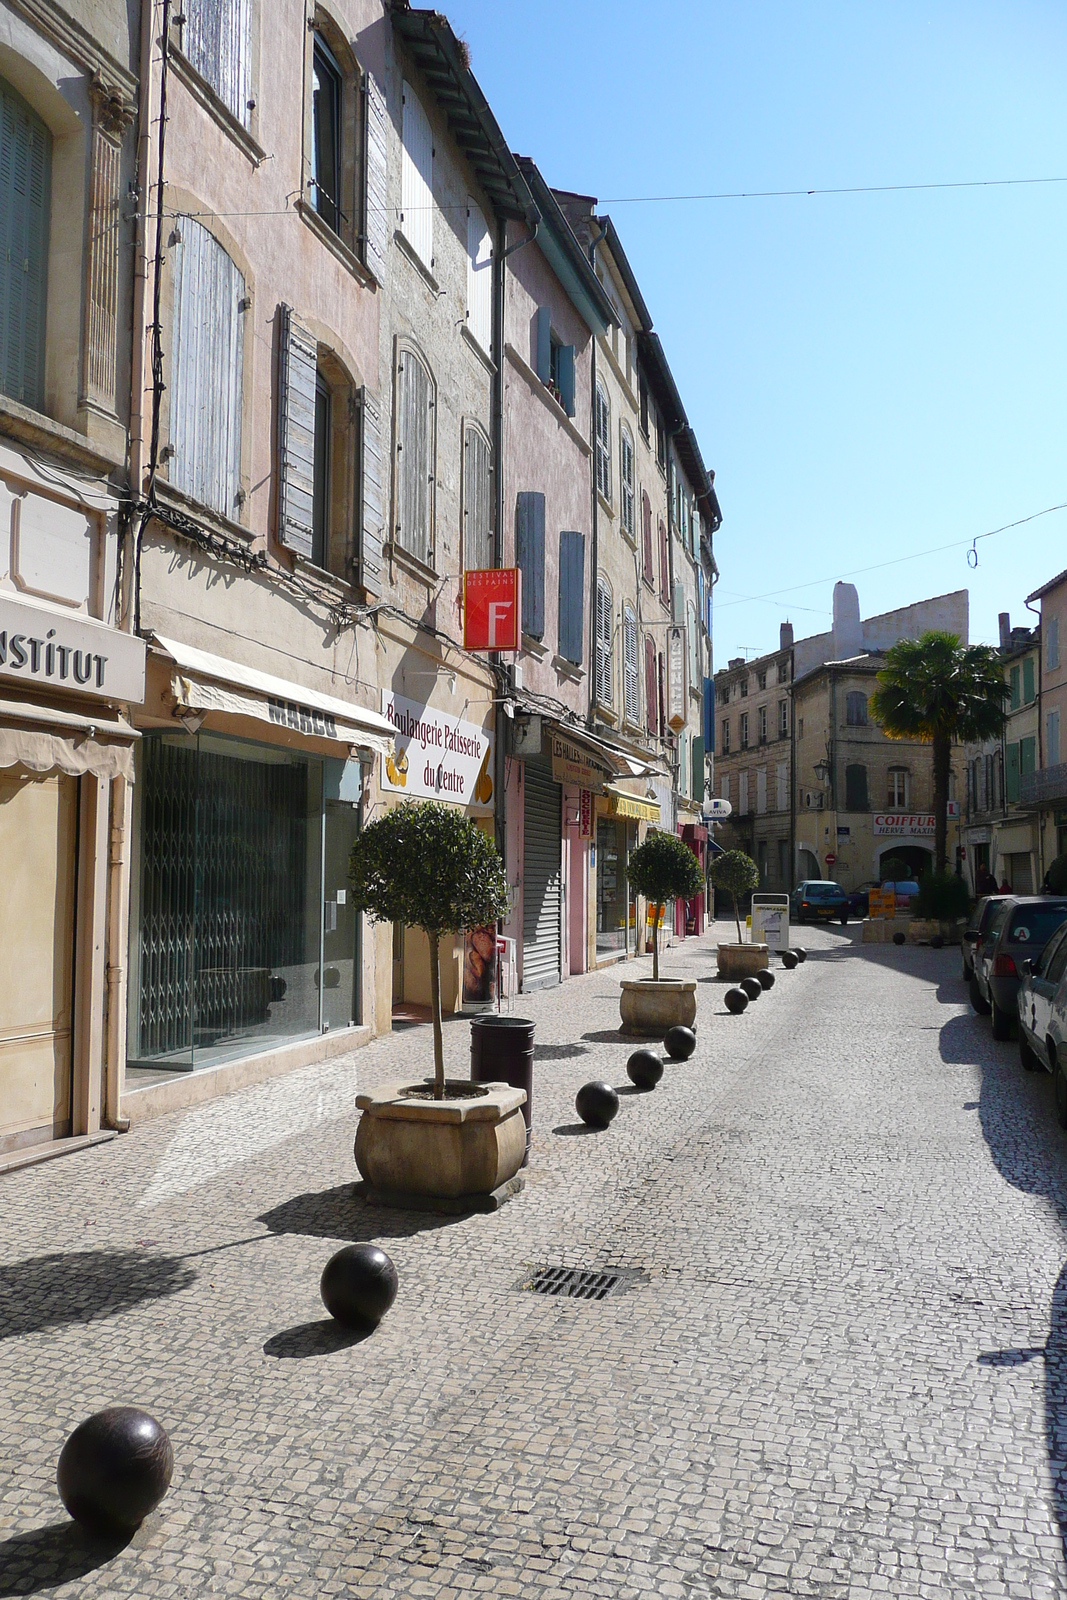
{"x":72,"y":653}
{"x":438,"y":757}
{"x":901,"y":823}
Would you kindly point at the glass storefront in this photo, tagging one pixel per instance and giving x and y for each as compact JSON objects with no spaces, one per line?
{"x":616,"y":911}
{"x":242,"y":932}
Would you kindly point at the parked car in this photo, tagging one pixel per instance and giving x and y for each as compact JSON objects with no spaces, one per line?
{"x":1042,"y":1003}
{"x":859,"y":902}
{"x":1019,"y":931}
{"x":818,"y":900}
{"x":981,"y":917}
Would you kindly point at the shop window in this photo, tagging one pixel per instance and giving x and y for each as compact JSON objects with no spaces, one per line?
{"x":855,"y":787}
{"x":856,"y":709}
{"x":477,"y":501}
{"x":25,"y":199}
{"x":415,"y":448}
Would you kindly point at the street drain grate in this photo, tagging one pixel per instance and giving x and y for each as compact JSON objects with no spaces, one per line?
{"x":577,"y":1283}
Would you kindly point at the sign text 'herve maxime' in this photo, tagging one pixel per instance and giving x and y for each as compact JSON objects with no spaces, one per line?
{"x":437,"y":757}
{"x":900,"y":823}
{"x":47,"y":649}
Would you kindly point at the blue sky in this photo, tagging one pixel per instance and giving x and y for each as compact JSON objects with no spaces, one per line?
{"x":871,"y":376}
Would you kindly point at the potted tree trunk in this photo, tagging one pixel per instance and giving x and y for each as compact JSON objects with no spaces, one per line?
{"x":660,"y":869}
{"x":737,"y":873}
{"x":455,"y":1142}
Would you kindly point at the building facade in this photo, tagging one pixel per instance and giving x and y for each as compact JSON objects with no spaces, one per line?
{"x":754,"y":760}
{"x":1044,"y":791}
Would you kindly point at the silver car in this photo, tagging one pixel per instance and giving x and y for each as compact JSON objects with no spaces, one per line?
{"x":1042,"y":1005}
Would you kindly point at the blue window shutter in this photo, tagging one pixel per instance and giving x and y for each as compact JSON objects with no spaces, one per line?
{"x":370,"y":474}
{"x":297,"y":374}
{"x":543,"y":322}
{"x":25,"y":173}
{"x":571,"y":586}
{"x":530,"y":554}
{"x":565,"y":368}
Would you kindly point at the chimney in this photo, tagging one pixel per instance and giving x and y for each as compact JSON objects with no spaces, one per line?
{"x":1004,"y":620}
{"x":785,"y":636}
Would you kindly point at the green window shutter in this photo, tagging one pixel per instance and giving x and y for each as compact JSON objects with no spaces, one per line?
{"x":1013,"y":679}
{"x":698,"y":767}
{"x":571,"y":588}
{"x":565,"y":366}
{"x":1028,"y":680}
{"x":25,"y":184}
{"x":1027,"y":756}
{"x":1011,"y":771}
{"x":530,"y":558}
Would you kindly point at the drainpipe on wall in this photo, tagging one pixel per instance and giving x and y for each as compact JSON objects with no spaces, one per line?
{"x":497,"y":421}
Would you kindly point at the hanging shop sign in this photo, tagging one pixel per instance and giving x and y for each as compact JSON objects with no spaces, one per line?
{"x":572,"y":764}
{"x":676,"y":675}
{"x":437,"y":756}
{"x":492,"y":608}
{"x":900,"y":823}
{"x":585,"y":815}
{"x":70,"y":653}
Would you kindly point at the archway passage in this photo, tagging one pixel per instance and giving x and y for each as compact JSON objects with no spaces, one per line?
{"x":919,"y":858}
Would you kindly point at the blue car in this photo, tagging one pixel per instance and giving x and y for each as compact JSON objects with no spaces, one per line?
{"x":818,"y":900}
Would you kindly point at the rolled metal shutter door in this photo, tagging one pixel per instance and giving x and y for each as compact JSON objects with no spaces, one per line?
{"x":542,"y":887}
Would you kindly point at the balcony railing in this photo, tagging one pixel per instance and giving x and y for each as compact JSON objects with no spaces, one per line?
{"x":1043,"y":786}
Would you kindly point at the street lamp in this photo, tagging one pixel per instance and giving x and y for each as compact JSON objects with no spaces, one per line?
{"x":823,"y":769}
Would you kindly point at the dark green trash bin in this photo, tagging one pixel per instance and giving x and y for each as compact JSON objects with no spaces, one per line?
{"x":502,"y":1052}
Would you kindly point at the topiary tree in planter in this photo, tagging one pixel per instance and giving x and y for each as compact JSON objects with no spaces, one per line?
{"x":427,"y":866}
{"x":662,"y":869}
{"x":737,"y":874}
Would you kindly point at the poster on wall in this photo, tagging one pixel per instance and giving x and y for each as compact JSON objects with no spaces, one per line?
{"x":479,"y":966}
{"x":437,"y":756}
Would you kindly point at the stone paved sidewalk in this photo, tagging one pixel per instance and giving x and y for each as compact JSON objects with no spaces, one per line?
{"x":840,"y":1372}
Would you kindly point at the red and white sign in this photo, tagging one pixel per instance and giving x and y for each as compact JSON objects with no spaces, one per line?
{"x":492,"y":608}
{"x":585,"y":815}
{"x":830,"y":859}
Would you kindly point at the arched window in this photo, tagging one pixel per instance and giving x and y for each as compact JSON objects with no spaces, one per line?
{"x":25,"y":185}
{"x":856,"y":709}
{"x":631,"y":676}
{"x":605,"y":687}
{"x":626,"y":482}
{"x":899,"y":788}
{"x":856,"y":788}
{"x":415,"y":446}
{"x":206,"y":386}
{"x":603,"y":443}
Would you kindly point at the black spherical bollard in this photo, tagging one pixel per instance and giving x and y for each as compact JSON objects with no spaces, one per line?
{"x":789,"y":959}
{"x":596,"y":1104}
{"x":358,"y":1286}
{"x":752,"y":987}
{"x":800,"y":953}
{"x":937,"y":942}
{"x":735,"y":1000}
{"x":898,"y":938}
{"x":680,"y":1043}
{"x":114,"y":1469}
{"x":644,"y":1069}
{"x":766,"y":978}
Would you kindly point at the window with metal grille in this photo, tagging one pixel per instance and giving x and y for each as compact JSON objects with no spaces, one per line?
{"x":414,"y":456}
{"x":605,"y":690}
{"x":25,"y":184}
{"x":603,"y":443}
{"x":626,"y":482}
{"x":416,"y":178}
{"x":477,"y":501}
{"x":631,"y":678}
{"x":207,"y":381}
{"x":216,"y":39}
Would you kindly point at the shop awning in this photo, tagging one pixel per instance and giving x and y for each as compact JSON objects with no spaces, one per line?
{"x":621,"y":804}
{"x":205,"y":682}
{"x":66,"y":741}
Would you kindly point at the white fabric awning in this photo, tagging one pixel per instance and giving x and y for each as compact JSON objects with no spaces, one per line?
{"x":205,"y":682}
{"x":102,"y":746}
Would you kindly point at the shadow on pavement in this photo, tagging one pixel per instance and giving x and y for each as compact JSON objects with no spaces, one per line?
{"x":322,"y":1338}
{"x":340,"y":1214}
{"x":47,"y":1558}
{"x":559,"y":1052}
{"x":83,"y":1285}
{"x":610,"y":1036}
{"x":574,"y":1130}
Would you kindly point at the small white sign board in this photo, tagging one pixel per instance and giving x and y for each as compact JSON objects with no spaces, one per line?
{"x":770,"y":920}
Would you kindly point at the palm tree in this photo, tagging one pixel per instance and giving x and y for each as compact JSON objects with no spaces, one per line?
{"x":943,"y":692}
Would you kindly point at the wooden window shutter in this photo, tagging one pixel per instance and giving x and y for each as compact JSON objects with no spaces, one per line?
{"x":856,"y":788}
{"x":698,"y":767}
{"x":25,"y":199}
{"x":565,"y":369}
{"x":375,"y":178}
{"x":571,"y":590}
{"x":414,"y":412}
{"x":370,"y":490}
{"x":646,"y":525}
{"x":605,"y":688}
{"x":664,"y":565}
{"x":543,"y":343}
{"x":603,"y":444}
{"x":297,"y":373}
{"x":479,"y":276}
{"x":530,"y":557}
{"x":631,"y":676}
{"x":662,"y":688}
{"x":651,"y":722}
{"x":477,"y":502}
{"x":216,"y":38}
{"x":416,"y":186}
{"x":207,"y":382}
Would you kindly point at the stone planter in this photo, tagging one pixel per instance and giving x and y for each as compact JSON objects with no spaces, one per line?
{"x":649,"y":1006}
{"x":459,"y":1151}
{"x":742,"y":960}
{"x":922,"y":929}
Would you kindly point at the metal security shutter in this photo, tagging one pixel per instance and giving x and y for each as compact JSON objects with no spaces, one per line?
{"x":542,"y":887}
{"x":25,"y":172}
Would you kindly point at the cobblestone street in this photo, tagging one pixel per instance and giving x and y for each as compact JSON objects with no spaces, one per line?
{"x":841,"y":1370}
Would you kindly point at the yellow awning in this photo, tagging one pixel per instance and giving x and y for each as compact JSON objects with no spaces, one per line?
{"x":621,"y":804}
